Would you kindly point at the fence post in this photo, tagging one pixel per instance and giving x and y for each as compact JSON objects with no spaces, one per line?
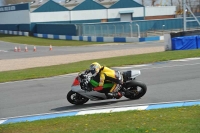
{"x":122,"y":30}
{"x":108,"y":30}
{"x":131,"y":28}
{"x":89,"y":30}
{"x":163,"y":26}
{"x":101,"y":31}
{"x":83,"y":30}
{"x":115,"y":29}
{"x":94,"y":31}
{"x":138,"y":30}
{"x":76,"y":29}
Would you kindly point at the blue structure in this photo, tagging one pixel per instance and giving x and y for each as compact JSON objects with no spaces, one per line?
{"x":184,"y":43}
{"x":88,"y":5}
{"x":58,"y":29}
{"x":125,"y":4}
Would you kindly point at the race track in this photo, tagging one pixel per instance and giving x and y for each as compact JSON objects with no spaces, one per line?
{"x":166,"y":82}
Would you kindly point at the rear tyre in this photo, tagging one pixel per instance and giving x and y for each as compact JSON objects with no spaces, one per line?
{"x":135,"y":90}
{"x":75,"y":98}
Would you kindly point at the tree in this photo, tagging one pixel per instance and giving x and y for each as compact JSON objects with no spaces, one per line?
{"x":142,"y":2}
{"x":179,"y":4}
{"x":153,"y":2}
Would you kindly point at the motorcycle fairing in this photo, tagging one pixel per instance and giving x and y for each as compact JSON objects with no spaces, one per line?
{"x":129,"y":75}
{"x":135,"y":73}
{"x":92,"y":95}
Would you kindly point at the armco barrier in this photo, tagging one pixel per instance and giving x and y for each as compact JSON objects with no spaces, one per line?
{"x":86,"y":38}
{"x":99,"y":39}
{"x":20,"y":33}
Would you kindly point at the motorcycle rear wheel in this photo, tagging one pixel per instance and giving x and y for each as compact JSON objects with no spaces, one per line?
{"x":137,"y":89}
{"x":75,"y":98}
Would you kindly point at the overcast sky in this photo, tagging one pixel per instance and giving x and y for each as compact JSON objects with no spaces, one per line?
{"x":1,"y":2}
{"x":146,"y":2}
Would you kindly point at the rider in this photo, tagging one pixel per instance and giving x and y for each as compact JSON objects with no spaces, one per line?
{"x":105,"y":73}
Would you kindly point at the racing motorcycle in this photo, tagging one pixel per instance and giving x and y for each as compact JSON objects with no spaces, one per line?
{"x":82,"y":88}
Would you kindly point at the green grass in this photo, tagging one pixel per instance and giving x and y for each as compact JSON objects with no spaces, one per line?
{"x":43,"y":42}
{"x":171,"y":120}
{"x":110,"y":62}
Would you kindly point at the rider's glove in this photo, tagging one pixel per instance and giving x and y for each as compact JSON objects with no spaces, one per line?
{"x":82,"y":76}
{"x":99,"y":88}
{"x":87,"y":71}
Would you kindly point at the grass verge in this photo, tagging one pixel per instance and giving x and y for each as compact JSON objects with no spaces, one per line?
{"x":171,"y":120}
{"x":43,"y":42}
{"x":56,"y":70}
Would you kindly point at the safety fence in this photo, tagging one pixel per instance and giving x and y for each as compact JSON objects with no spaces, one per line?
{"x":142,"y":28}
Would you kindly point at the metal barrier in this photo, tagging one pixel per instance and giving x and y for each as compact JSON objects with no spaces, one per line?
{"x":110,"y":30}
{"x":142,"y":28}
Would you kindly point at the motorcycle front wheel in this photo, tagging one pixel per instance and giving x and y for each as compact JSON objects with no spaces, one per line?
{"x":75,"y":98}
{"x":136,"y":90}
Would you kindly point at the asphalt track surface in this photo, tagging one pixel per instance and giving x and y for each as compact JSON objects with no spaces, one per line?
{"x":7,"y":49}
{"x":166,"y":82}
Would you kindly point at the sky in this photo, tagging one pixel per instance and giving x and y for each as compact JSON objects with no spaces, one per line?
{"x":139,"y":1}
{"x":147,"y":2}
{"x":1,"y":2}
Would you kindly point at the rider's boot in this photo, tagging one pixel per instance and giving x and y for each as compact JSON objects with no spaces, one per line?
{"x":116,"y":95}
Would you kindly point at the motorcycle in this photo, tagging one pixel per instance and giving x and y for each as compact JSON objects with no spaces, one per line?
{"x":82,"y":88}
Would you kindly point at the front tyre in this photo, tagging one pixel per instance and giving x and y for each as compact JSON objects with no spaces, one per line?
{"x":75,"y":98}
{"x":135,"y":90}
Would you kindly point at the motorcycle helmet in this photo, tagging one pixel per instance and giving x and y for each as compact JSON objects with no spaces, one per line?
{"x":95,"y":68}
